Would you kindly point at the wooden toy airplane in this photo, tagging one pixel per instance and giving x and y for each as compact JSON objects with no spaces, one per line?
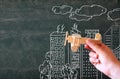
{"x":76,"y":40}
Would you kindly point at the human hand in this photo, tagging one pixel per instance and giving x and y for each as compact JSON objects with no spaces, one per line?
{"x":103,"y":58}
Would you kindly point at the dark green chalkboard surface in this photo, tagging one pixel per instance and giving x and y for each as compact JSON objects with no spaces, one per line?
{"x":26,"y":26}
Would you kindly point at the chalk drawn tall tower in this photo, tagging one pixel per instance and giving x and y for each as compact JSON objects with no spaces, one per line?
{"x":57,"y":50}
{"x":87,"y":70}
{"x":117,"y":52}
{"x":112,"y":37}
{"x":75,"y":57}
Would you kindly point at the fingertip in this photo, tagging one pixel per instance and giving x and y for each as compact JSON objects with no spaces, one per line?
{"x":93,"y":54}
{"x":87,"y":47}
{"x":94,"y":61}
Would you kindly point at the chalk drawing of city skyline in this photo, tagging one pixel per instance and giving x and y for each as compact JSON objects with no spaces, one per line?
{"x":60,"y":62}
{"x":76,"y":65}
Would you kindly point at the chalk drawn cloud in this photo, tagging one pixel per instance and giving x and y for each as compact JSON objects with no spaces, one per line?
{"x":91,"y":10}
{"x":114,"y":15}
{"x":84,"y":13}
{"x":64,"y":9}
{"x":76,"y":17}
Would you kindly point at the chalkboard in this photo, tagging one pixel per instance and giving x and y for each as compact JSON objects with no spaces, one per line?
{"x":32,"y":35}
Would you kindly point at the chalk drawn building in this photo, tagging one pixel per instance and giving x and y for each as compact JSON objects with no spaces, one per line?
{"x":74,"y":57}
{"x":117,"y":52}
{"x":57,"y":50}
{"x":112,"y":37}
{"x":87,"y":70}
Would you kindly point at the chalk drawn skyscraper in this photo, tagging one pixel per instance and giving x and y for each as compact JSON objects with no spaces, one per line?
{"x":117,"y":52}
{"x":112,"y":36}
{"x":57,"y":50}
{"x":74,"y":57}
{"x":87,"y":70}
